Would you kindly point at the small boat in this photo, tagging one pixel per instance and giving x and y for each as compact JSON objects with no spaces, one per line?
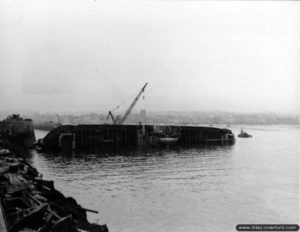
{"x":162,"y":139}
{"x":168,"y":140}
{"x":244,"y":134}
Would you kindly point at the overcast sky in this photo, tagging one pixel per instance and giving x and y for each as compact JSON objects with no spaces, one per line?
{"x":87,"y":55}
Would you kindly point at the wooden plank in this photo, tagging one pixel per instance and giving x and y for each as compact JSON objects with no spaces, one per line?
{"x":2,"y":219}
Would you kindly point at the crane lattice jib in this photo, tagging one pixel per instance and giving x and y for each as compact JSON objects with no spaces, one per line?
{"x":132,"y":105}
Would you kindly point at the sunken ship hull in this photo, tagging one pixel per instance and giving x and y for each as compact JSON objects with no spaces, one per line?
{"x":107,"y":137}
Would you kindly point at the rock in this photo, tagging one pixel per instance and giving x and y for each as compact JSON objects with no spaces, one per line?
{"x":32,"y":204}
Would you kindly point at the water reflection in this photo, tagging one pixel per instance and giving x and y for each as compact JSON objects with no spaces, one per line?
{"x":141,"y":160}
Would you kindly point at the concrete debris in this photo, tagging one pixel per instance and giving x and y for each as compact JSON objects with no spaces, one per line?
{"x":29,"y":203}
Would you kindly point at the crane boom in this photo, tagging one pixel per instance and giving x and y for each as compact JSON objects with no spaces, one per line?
{"x":106,"y":121}
{"x":132,"y":105}
{"x":112,"y":117}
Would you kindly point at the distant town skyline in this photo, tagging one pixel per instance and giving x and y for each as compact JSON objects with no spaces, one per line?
{"x":177,"y":117}
{"x":174,"y":117}
{"x":91,"y":56}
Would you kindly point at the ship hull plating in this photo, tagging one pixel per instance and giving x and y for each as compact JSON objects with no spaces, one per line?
{"x":108,"y":137}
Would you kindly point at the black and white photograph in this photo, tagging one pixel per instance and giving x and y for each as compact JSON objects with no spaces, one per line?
{"x":149,"y":115}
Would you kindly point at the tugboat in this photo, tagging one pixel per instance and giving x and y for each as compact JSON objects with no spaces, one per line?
{"x":244,"y":134}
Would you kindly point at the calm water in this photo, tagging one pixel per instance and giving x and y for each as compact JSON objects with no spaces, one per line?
{"x":204,"y":189}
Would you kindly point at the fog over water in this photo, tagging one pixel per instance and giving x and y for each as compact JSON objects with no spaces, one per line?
{"x":59,"y":56}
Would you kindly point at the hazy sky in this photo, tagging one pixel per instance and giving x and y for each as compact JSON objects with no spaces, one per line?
{"x":88,"y":55}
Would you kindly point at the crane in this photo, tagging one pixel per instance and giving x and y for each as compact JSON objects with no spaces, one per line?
{"x":128,"y":111}
{"x":112,"y":117}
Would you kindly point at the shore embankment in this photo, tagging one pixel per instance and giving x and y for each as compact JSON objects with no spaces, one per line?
{"x":29,"y":203}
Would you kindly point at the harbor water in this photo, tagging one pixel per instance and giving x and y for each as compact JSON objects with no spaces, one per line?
{"x":256,"y":180}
